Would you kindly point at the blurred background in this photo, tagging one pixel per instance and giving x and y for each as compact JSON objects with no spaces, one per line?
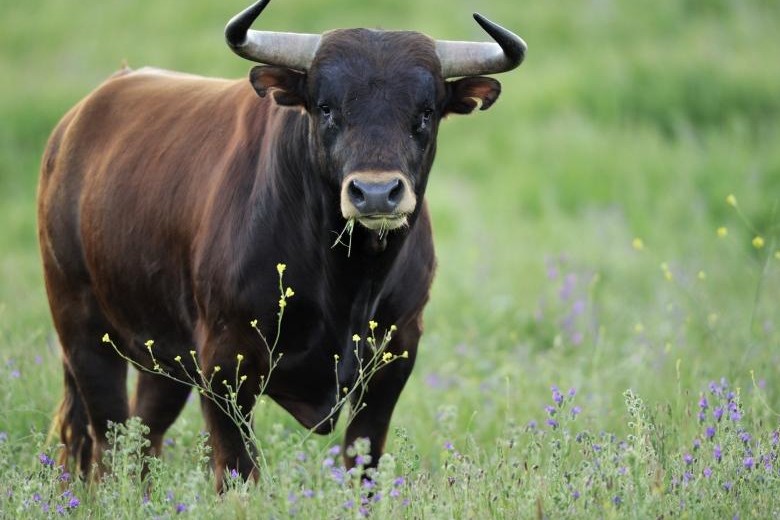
{"x":575,"y":221}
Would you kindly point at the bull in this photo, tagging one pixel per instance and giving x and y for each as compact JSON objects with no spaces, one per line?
{"x":167,"y":201}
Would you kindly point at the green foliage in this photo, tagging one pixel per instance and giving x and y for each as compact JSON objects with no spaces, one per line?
{"x":576,"y":228}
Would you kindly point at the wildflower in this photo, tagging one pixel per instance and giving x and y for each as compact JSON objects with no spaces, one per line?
{"x":253,"y":324}
{"x":46,"y":460}
{"x":710,"y":432}
{"x":308,"y":493}
{"x":572,"y":392}
{"x":575,"y":494}
{"x":722,"y":232}
{"x":687,"y":476}
{"x":550,"y":410}
{"x":696,"y":444}
{"x":177,"y":359}
{"x":707,"y":472}
{"x":688,"y":459}
{"x":731,"y":200}
{"x":181,"y":508}
{"x":557,"y":397}
{"x":240,"y":357}
{"x":282,"y":303}
{"x":149,"y":343}
{"x":335,"y":450}
{"x":448,"y":446}
{"x":355,"y":338}
{"x":552,"y":423}
{"x":717,"y":413}
{"x":360,"y":460}
{"x":405,"y":354}
{"x":372,"y":324}
{"x":748,"y":462}
{"x":73,"y":502}
{"x":335,"y":357}
{"x":106,"y":339}
{"x":575,"y":411}
{"x":328,"y":462}
{"x":744,"y":436}
{"x":703,"y":404}
{"x":717,"y":453}
{"x":637,"y":244}
{"x":399,"y":481}
{"x":617,"y":500}
{"x":289,"y":293}
{"x":775,"y":437}
{"x":65,"y":477}
{"x":292,"y":497}
{"x":395,"y":493}
{"x":280,"y":268}
{"x":758,"y":242}
{"x":727,"y":486}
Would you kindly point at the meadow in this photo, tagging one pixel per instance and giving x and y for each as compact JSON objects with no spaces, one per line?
{"x":603,"y":337}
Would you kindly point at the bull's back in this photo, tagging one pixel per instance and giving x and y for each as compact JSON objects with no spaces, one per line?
{"x":127,"y":179}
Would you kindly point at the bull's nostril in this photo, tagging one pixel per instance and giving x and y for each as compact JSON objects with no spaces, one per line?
{"x":356,"y":194}
{"x":396,"y":193}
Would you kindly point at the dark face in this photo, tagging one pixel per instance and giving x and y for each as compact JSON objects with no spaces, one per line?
{"x":375,"y":99}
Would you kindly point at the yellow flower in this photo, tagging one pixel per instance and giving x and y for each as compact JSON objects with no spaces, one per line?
{"x":702,"y":275}
{"x":405,"y":355}
{"x":177,"y":359}
{"x":638,"y":244}
{"x":106,"y":339}
{"x":280,"y":268}
{"x":335,"y":357}
{"x":149,"y":343}
{"x":282,"y":303}
{"x":289,"y":292}
{"x":217,"y":368}
{"x":386,"y":357}
{"x":355,"y":338}
{"x":345,"y":390}
{"x":192,"y":353}
{"x":393,"y":328}
{"x":243,"y":378}
{"x":758,"y":242}
{"x":240,"y":357}
{"x":723,"y":231}
{"x":731,"y":200}
{"x":372,"y":324}
{"x":253,"y":323}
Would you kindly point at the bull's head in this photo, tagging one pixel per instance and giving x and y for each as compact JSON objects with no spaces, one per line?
{"x":375,"y":99}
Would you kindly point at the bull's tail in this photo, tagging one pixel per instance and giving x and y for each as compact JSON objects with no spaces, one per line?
{"x":72,"y":422}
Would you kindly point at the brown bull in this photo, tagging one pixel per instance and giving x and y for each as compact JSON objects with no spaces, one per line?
{"x":167,"y":200}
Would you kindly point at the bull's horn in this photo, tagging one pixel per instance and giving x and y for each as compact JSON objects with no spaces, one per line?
{"x":477,"y":58}
{"x":292,"y":50}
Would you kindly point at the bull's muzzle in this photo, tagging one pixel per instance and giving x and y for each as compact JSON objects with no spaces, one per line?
{"x":378,"y":200}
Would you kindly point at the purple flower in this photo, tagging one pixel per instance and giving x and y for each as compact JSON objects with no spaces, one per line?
{"x":748,"y":462}
{"x":707,"y":472}
{"x":15,"y":374}
{"x":335,"y":450}
{"x":744,"y":436}
{"x":617,"y":500}
{"x":394,"y":493}
{"x":572,"y":392}
{"x":448,"y":446}
{"x":552,"y":423}
{"x":727,"y":486}
{"x":300,"y":456}
{"x":575,"y":494}
{"x":696,"y":443}
{"x":735,"y":415}
{"x":73,"y":502}
{"x":349,"y":504}
{"x":688,"y":459}
{"x":377,"y":497}
{"x":233,"y":473}
{"x":717,"y":452}
{"x":775,"y":437}
{"x":687,"y":476}
{"x":181,"y":508}
{"x":717,"y":413}
{"x":575,"y":411}
{"x":399,"y":481}
{"x":59,"y":509}
{"x":710,"y":432}
{"x":368,"y":484}
{"x":702,"y":416}
{"x":168,"y":442}
{"x":557,"y":396}
{"x":550,"y":410}
{"x":596,"y":448}
{"x":308,"y":493}
{"x":703,"y":404}
{"x":65,"y":477}
{"x":361,"y":460}
{"x":328,"y":462}
{"x":45,"y":460}
{"x":36,"y":497}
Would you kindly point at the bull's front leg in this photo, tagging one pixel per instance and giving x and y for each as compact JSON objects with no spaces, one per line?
{"x":227,"y":407}
{"x":373,"y":420}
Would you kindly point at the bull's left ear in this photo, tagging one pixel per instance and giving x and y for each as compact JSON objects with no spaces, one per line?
{"x":288,"y":86}
{"x":466,"y":94}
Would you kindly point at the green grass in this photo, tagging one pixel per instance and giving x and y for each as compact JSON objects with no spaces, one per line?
{"x":628,"y":120}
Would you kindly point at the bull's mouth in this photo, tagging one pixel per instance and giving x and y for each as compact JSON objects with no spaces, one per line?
{"x":383,"y":223}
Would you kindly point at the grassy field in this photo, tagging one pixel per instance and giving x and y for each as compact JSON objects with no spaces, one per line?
{"x":611,"y":227}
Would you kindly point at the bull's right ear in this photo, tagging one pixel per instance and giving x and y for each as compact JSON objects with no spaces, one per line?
{"x":287,"y":86}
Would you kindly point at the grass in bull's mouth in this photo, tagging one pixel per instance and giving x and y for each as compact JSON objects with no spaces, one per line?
{"x":349,"y":227}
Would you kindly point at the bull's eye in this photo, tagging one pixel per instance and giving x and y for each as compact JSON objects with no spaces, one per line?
{"x":325,"y":110}
{"x":327,"y":115}
{"x":424,"y":120}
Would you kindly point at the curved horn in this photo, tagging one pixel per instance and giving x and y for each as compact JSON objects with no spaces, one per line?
{"x":292,"y":50}
{"x":478,"y":58}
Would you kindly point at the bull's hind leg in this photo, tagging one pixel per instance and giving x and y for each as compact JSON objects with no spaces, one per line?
{"x":95,"y":378}
{"x":384,"y":388}
{"x":158,"y":401}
